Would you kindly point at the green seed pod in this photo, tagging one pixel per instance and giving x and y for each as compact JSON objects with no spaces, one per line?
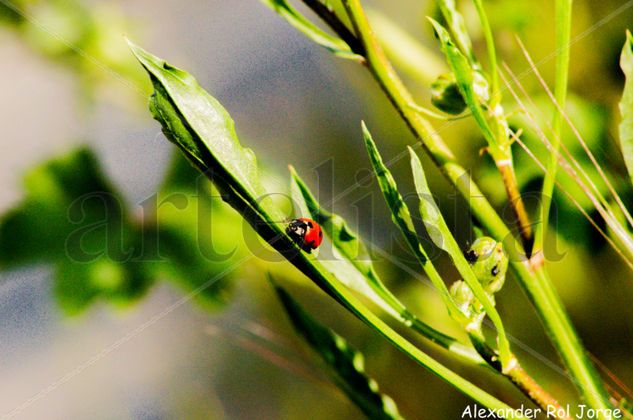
{"x":445,"y":95}
{"x":489,"y":262}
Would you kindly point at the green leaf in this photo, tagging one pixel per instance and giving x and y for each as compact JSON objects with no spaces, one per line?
{"x":467,"y":80}
{"x":72,"y":218}
{"x":441,"y":235}
{"x":310,"y":30}
{"x":401,"y":216}
{"x":345,"y":363}
{"x":455,"y":21}
{"x":200,"y":126}
{"x":352,"y":264}
{"x":626,"y":104}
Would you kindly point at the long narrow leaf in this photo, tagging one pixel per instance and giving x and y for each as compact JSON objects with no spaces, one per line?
{"x":310,"y":30}
{"x":455,"y":21}
{"x":626,"y":104}
{"x":346,"y":364}
{"x":443,"y":238}
{"x":401,"y":216}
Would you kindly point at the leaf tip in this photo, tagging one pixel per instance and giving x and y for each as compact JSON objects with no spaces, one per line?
{"x":411,"y":151}
{"x":366,"y":134}
{"x":433,"y":22}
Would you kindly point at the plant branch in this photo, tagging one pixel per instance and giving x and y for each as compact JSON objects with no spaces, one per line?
{"x":327,"y":14}
{"x":538,"y":286}
{"x":518,"y":376}
{"x":506,"y":169}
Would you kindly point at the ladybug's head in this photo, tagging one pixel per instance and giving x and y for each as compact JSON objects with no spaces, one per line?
{"x":297,"y":230}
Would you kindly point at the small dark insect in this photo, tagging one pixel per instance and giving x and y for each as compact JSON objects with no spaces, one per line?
{"x":306,"y":233}
{"x":495,"y":270}
{"x":471,"y":256}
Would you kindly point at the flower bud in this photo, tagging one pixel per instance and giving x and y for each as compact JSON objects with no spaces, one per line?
{"x":445,"y":95}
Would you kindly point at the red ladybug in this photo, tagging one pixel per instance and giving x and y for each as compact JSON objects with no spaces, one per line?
{"x":306,"y":233}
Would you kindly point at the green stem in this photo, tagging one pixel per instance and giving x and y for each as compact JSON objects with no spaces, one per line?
{"x":538,"y":287}
{"x":563,"y":34}
{"x":518,"y":376}
{"x":492,"y":54}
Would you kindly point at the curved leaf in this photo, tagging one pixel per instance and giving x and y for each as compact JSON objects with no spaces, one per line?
{"x":401,"y":217}
{"x":310,"y":30}
{"x":346,"y":364}
{"x":198,"y":124}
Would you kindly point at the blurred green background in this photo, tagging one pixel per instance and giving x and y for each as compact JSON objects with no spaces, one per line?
{"x":124,"y":337}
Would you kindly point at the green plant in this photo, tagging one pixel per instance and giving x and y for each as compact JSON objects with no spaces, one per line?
{"x":462,"y":87}
{"x":203,"y":130}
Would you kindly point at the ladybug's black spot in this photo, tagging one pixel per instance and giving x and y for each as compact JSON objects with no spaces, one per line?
{"x":471,"y":256}
{"x":320,"y":234}
{"x":495,"y":270}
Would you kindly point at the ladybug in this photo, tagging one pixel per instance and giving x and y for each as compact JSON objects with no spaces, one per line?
{"x":306,"y":233}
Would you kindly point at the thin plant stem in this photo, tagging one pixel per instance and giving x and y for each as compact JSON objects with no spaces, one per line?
{"x":563,"y":35}
{"x":492,"y":53}
{"x":537,"y":285}
{"x":518,"y":376}
{"x":506,"y":169}
{"x":506,"y":166}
